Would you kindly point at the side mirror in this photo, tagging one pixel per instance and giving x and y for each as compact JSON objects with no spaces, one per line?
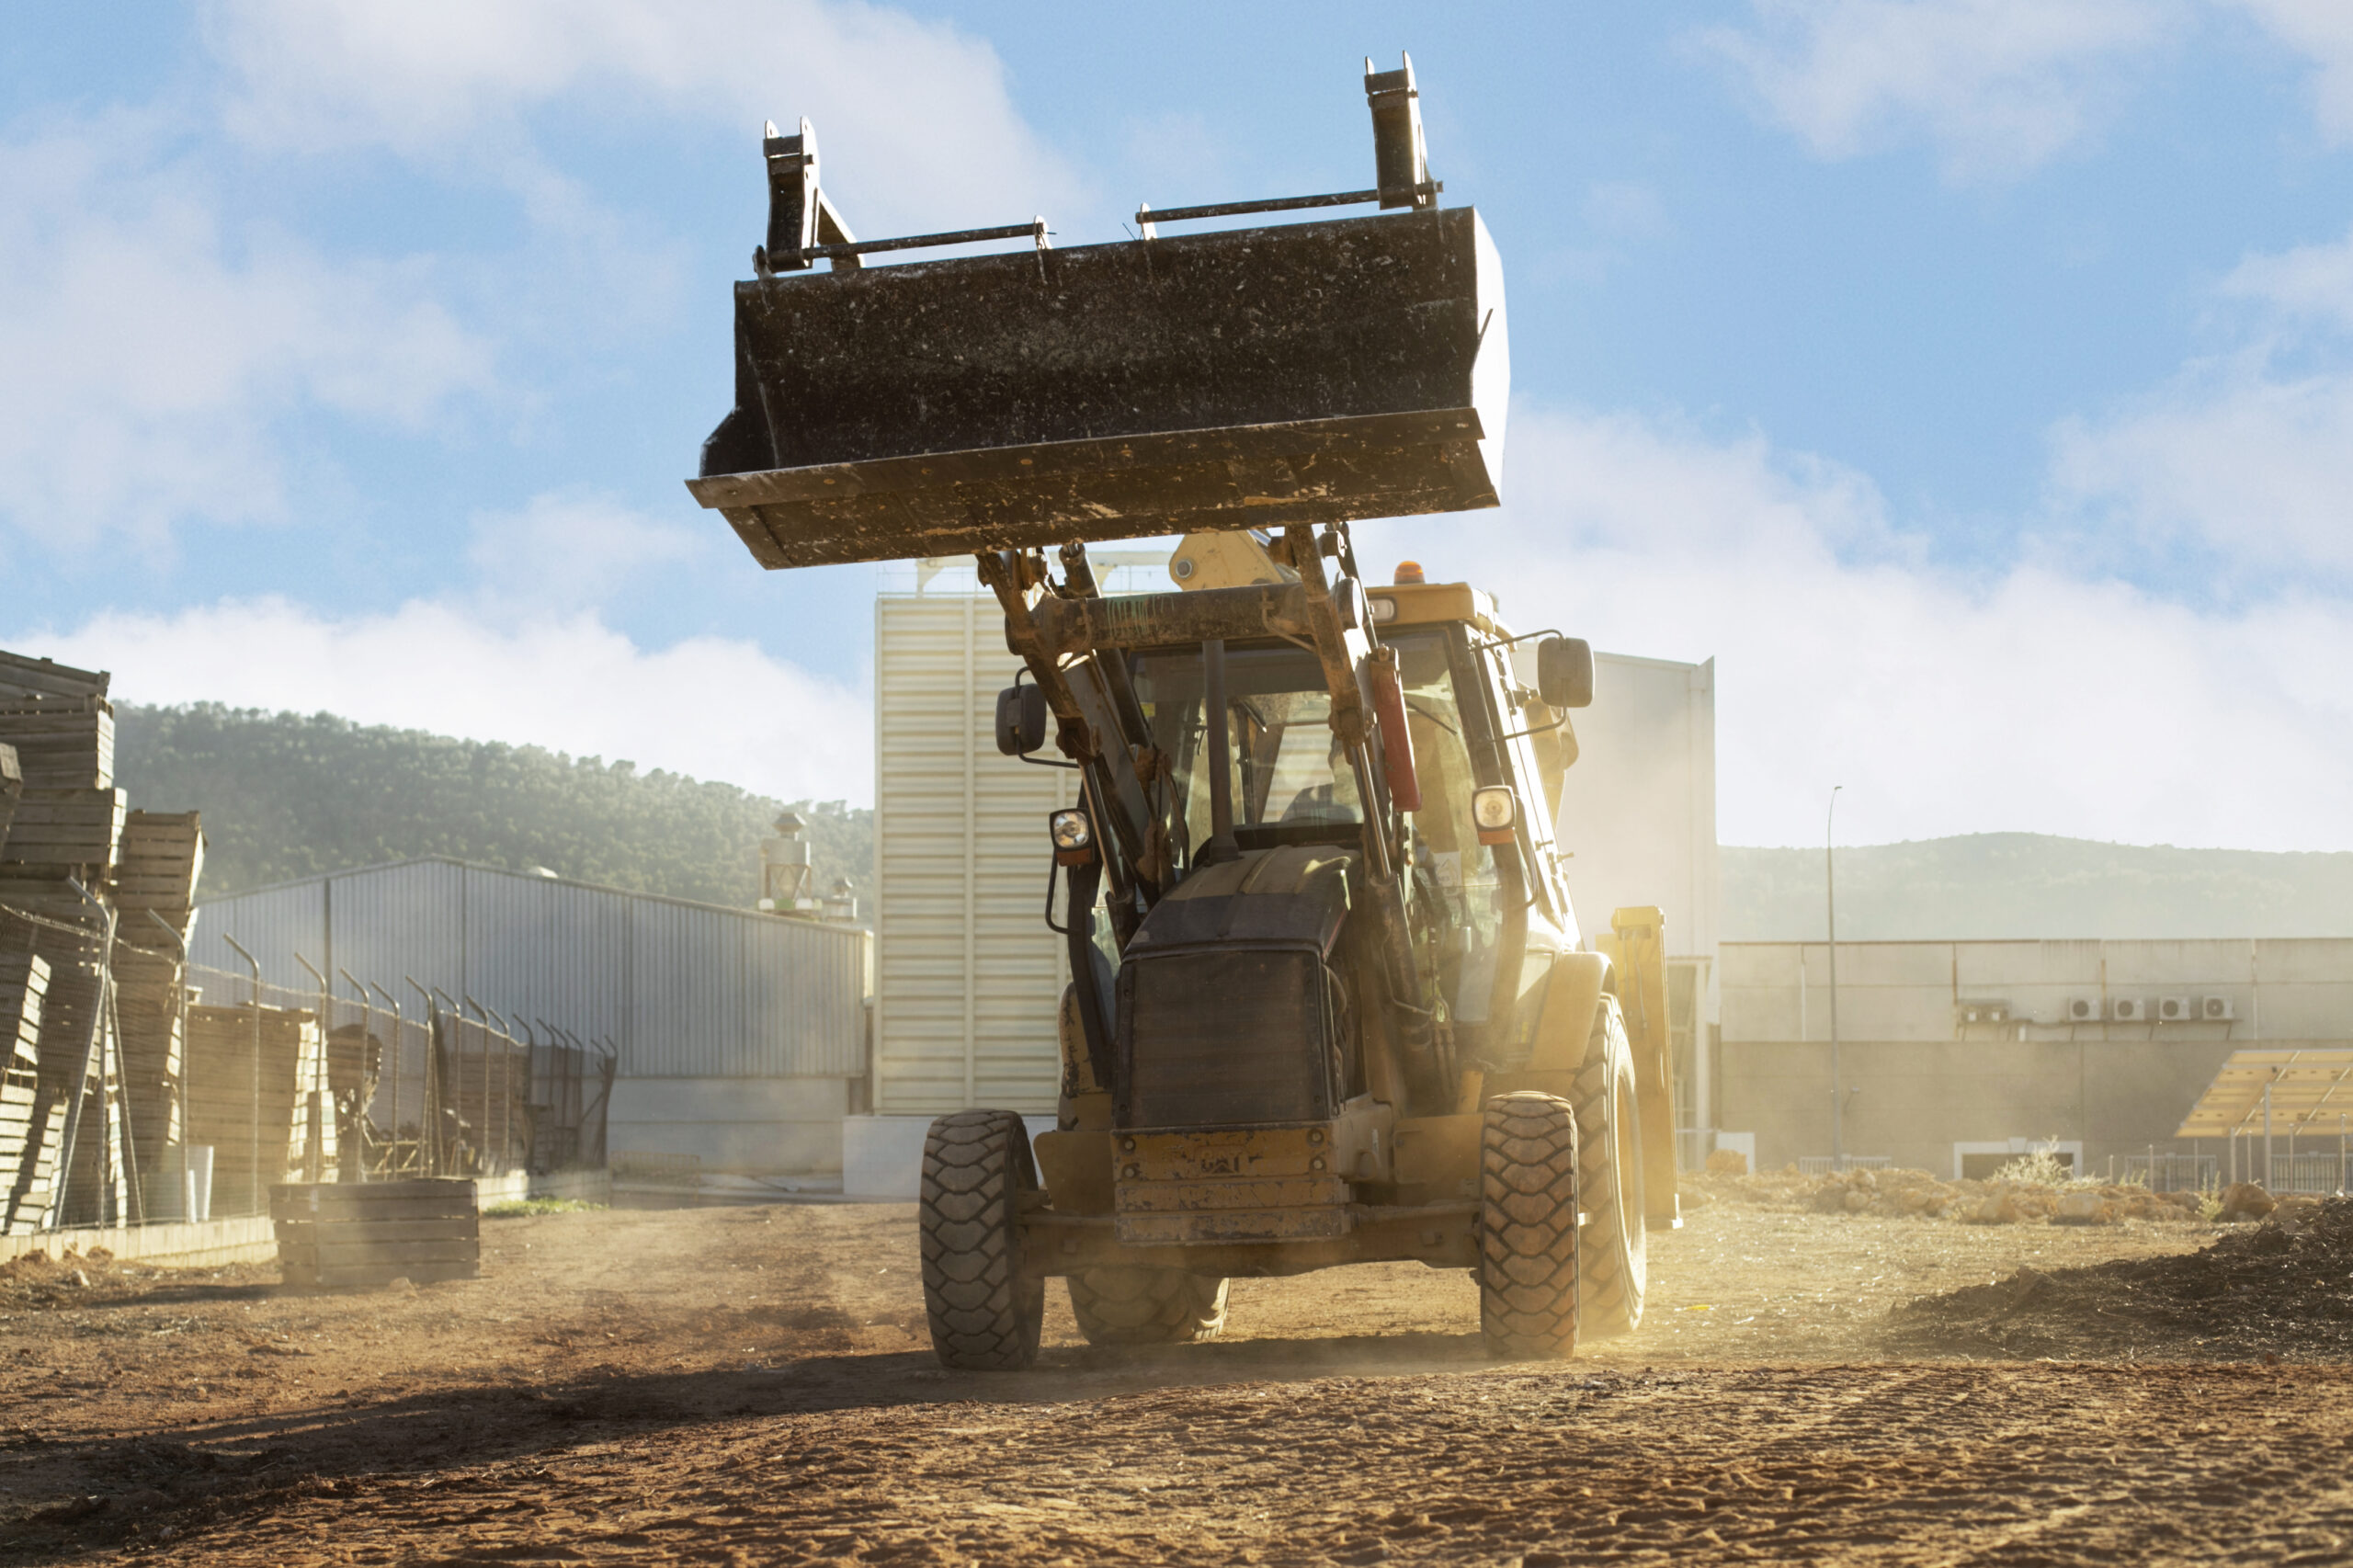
{"x":1020,"y":720}
{"x":1565,"y":671}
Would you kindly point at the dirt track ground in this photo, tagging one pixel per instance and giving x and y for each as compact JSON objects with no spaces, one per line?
{"x":753,"y":1386}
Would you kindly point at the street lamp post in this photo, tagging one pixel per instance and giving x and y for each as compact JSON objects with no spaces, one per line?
{"x":1830,"y":884}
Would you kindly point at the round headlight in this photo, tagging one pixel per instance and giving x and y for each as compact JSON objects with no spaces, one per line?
{"x":1493,"y":808}
{"x":1070,"y":829}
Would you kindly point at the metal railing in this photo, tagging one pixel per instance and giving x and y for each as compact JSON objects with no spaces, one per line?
{"x":1824,"y":1164}
{"x":2170,"y":1173}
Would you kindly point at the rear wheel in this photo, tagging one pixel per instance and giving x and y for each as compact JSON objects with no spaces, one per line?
{"x":1613,"y":1254}
{"x":986,"y":1314}
{"x":1528,"y":1226}
{"x":1147,"y":1306}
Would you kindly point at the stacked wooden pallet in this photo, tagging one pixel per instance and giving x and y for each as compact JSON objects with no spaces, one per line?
{"x":260,"y":1114}
{"x":154,"y":880}
{"x":29,"y":1118}
{"x":341,"y":1234}
{"x":67,"y":830}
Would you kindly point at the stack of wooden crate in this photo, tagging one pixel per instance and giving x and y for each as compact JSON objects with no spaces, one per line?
{"x":154,"y":888}
{"x":260,"y":1114}
{"x":338,"y":1235}
{"x":29,"y":1119}
{"x":12,"y":784}
{"x":67,"y":829}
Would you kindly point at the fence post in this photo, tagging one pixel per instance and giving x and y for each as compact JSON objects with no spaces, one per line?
{"x":314,"y":1119}
{"x":187,"y":1056}
{"x":428,"y":1122}
{"x":400,"y":1048}
{"x":253,"y":1146}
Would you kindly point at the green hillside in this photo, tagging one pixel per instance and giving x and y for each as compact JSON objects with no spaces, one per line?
{"x":2029,"y":885}
{"x":286,"y":795}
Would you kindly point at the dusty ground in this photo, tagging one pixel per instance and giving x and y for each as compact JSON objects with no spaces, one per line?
{"x":753,"y":1385}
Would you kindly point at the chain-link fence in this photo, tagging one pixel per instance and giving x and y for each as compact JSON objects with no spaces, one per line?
{"x":136,"y":1087}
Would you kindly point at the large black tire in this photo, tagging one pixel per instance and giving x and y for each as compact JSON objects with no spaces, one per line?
{"x":1147,"y":1306}
{"x":986,"y":1314}
{"x":1613,"y":1256}
{"x":1528,"y":1226}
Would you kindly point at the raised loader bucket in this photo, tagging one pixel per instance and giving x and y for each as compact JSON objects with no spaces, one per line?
{"x":1312,"y":372}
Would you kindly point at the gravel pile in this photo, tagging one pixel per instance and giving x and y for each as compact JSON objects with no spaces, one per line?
{"x":2281,"y":1289}
{"x":1919,"y":1195}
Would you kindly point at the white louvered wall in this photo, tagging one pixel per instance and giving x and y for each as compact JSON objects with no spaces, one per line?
{"x":967,"y":976}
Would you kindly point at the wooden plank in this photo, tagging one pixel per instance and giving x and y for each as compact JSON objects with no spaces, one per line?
{"x":302,"y":1233}
{"x":323,"y":1255}
{"x":46,"y":678}
{"x":438,"y":1208}
{"x":363,"y":1279}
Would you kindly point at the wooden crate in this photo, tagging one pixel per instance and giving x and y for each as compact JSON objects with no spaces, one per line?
{"x":221,"y":1098}
{"x":23,"y":676}
{"x":25,"y":1113}
{"x":65,"y":833}
{"x":160,"y":859}
{"x":333,"y":1234}
{"x":62,"y":742}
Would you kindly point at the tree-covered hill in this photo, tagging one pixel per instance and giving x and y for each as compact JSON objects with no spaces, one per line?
{"x":286,"y":795}
{"x":2032,"y":886}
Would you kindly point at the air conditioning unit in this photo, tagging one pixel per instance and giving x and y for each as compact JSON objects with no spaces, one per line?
{"x":2215,"y":1010}
{"x":2176,"y":1010}
{"x":2083,"y":1010}
{"x":2129,"y":1010}
{"x":1984,"y":1012}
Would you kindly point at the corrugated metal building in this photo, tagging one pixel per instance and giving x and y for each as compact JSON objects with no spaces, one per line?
{"x":742,"y":1037}
{"x":967,"y":975}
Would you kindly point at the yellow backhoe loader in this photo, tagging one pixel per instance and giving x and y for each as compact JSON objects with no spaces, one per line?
{"x":1329,"y":1002}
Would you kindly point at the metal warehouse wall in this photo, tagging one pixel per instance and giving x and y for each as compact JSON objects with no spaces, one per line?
{"x":685,"y":990}
{"x":967,"y":977}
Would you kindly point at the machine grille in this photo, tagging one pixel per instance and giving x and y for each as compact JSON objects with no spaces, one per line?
{"x":1215,"y":1037}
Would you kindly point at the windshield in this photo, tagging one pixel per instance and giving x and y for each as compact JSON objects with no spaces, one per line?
{"x":1288,"y":771}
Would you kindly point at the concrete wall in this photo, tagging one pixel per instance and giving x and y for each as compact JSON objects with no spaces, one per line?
{"x":759,"y":1125}
{"x":2286,"y":989}
{"x":882,"y":1155}
{"x":1916,"y":1100}
{"x":1928,"y":1076}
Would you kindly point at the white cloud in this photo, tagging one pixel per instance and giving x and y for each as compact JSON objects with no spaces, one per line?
{"x":1945,"y":703}
{"x":2309,"y":282}
{"x":570,"y":548}
{"x":916,"y":127}
{"x":2254,"y":463}
{"x":2321,"y":30}
{"x":711,"y":707}
{"x":1998,"y":86}
{"x":2258,"y":469}
{"x":145,"y":349}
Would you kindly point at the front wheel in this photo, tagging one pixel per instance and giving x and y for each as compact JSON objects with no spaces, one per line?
{"x":1528,"y":1226}
{"x":1125,"y":1305}
{"x":985,"y":1313}
{"x":1614,"y":1250}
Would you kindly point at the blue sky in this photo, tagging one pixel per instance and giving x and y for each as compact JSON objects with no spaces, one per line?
{"x":1971,"y":378}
